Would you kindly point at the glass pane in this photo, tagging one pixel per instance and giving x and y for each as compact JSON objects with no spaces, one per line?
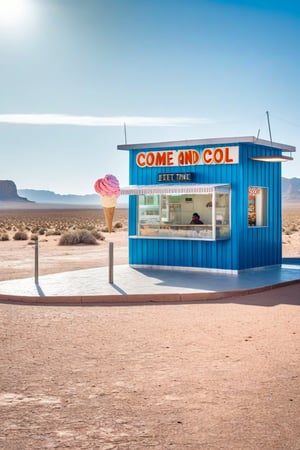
{"x":171,"y":215}
{"x":222,"y":212}
{"x":149,"y":209}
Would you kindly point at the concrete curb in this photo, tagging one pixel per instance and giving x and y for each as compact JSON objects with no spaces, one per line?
{"x":136,"y":299}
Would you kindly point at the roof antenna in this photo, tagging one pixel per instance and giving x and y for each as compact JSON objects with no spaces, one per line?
{"x":258,"y":132}
{"x":125,"y":134}
{"x":267,"y":112}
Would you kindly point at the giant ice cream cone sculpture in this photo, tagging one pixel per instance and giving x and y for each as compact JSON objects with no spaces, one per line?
{"x":109,"y":190}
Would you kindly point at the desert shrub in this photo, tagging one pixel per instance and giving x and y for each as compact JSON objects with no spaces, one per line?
{"x":53,"y":233}
{"x":291,"y":229}
{"x":4,"y":237}
{"x":118,"y":225}
{"x":86,"y":237}
{"x":69,"y":238}
{"x":105,"y":229}
{"x":98,"y":235}
{"x":20,"y":236}
{"x":34,"y":237}
{"x":42,"y":231}
{"x":77,"y":237}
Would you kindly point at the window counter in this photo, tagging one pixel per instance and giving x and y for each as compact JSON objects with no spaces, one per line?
{"x":204,"y":232}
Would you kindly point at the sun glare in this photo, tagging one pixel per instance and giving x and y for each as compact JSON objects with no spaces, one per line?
{"x":13,"y":13}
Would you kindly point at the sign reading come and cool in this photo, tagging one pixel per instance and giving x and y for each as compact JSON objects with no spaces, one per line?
{"x":190,"y":157}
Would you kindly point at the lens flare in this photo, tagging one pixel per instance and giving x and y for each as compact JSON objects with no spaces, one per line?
{"x":14,"y":13}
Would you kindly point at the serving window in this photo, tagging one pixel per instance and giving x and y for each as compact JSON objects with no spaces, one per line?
{"x":169,"y":215}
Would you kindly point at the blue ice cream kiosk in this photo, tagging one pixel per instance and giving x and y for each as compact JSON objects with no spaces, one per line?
{"x":233,"y":184}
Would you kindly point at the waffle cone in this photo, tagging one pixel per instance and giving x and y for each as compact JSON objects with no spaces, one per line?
{"x":109,"y":215}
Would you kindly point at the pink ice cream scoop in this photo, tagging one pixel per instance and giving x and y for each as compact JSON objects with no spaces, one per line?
{"x":109,"y":190}
{"x":107,"y":186}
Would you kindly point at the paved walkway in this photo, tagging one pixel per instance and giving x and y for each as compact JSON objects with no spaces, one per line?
{"x":129,"y":284}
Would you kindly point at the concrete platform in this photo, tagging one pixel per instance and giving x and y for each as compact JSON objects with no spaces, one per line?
{"x":144,"y":285}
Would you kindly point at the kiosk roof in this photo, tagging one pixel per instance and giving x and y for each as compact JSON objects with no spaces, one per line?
{"x":210,"y":141}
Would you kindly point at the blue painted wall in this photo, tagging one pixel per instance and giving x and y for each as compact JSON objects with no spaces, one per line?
{"x":248,"y":247}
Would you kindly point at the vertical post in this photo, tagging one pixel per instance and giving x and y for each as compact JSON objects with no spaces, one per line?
{"x":36,"y":261}
{"x":267,"y":112}
{"x":125,"y":133}
{"x":111,"y":262}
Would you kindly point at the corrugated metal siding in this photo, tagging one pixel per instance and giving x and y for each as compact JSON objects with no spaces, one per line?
{"x":186,"y":253}
{"x":248,"y":246}
{"x":260,"y":246}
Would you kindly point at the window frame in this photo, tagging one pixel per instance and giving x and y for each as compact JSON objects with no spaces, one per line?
{"x":153,"y":218}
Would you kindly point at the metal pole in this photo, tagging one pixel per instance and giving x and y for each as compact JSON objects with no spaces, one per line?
{"x":111,"y":262}
{"x":267,"y":112}
{"x":36,"y":261}
{"x":125,"y":133}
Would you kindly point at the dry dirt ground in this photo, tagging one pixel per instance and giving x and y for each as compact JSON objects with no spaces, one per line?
{"x":210,"y":375}
{"x":204,"y":376}
{"x":17,"y":257}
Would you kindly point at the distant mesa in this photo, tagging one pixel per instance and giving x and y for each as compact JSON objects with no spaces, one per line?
{"x":291,"y":189}
{"x":49,"y":197}
{"x":9,"y":193}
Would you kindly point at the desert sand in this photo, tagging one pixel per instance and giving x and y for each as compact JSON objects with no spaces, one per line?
{"x":207,"y":375}
{"x":18,"y":257}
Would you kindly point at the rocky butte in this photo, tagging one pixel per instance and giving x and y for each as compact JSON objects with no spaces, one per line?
{"x":8,"y":192}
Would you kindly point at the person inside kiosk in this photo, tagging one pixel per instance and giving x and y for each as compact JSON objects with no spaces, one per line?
{"x":168,"y":215}
{"x":196,"y":220}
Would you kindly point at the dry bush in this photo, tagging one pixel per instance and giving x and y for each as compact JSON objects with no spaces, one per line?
{"x":86,"y":237}
{"x":118,"y":225}
{"x":98,"y":235}
{"x":53,"y":233}
{"x":20,"y":236}
{"x":104,"y":229}
{"x":70,"y":238}
{"x":78,"y":237}
{"x":4,"y":237}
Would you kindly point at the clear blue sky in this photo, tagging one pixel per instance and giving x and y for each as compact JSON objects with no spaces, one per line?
{"x":194,"y":68}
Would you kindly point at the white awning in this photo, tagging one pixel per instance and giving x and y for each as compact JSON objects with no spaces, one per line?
{"x":179,"y":188}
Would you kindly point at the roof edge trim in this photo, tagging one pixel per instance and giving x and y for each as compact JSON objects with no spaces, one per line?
{"x":210,"y":141}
